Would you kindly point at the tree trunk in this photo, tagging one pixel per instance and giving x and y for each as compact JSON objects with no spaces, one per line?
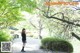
{"x":40,"y":33}
{"x":40,"y":29}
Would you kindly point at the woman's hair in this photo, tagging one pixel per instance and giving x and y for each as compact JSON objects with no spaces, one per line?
{"x":23,"y":30}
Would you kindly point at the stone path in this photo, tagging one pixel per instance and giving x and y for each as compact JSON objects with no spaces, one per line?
{"x":32,"y":46}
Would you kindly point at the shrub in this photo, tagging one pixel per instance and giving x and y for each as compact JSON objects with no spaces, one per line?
{"x":56,"y":44}
{"x":4,"y":36}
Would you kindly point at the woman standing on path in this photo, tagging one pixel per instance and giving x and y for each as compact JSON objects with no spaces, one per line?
{"x":23,"y":34}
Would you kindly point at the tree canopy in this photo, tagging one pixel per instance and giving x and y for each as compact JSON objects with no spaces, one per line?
{"x":64,"y":18}
{"x":10,"y":11}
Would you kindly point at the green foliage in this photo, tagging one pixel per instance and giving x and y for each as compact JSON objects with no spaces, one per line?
{"x":56,"y":44}
{"x":27,"y":5}
{"x":10,"y":11}
{"x":4,"y":36}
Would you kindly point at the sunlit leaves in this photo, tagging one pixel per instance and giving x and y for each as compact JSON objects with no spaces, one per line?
{"x":10,"y":11}
{"x":27,"y":5}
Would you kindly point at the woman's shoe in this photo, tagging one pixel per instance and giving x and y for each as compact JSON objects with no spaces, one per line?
{"x":23,"y":51}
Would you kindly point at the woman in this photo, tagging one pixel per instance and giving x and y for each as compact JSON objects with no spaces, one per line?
{"x":23,"y":34}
